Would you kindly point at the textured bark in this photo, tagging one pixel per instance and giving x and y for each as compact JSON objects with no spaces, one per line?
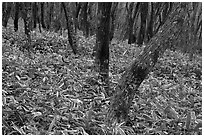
{"x":102,"y":42}
{"x":140,"y":68}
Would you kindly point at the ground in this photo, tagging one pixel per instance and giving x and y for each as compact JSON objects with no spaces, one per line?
{"x":44,"y":92}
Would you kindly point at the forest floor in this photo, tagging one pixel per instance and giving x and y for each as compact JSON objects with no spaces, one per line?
{"x":42,"y":94}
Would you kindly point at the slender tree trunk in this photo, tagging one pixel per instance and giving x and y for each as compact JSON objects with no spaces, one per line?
{"x":70,"y":29}
{"x":113,"y":14}
{"x":78,"y":8}
{"x":50,"y":15}
{"x":42,"y":15}
{"x":140,"y":68}
{"x":17,"y":6}
{"x":6,"y":12}
{"x":149,"y":30}
{"x":34,"y":11}
{"x":85,"y":22}
{"x":102,"y":42}
{"x":143,"y":15}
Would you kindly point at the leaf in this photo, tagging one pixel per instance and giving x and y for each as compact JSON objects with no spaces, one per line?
{"x":171,"y":113}
{"x":188,"y":120}
{"x":148,"y":118}
{"x":196,"y":129}
{"x":52,"y":124}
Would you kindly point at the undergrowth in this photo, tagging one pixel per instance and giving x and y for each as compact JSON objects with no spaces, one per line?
{"x":43,"y":94}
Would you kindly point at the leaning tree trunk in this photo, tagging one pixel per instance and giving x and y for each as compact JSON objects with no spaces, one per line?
{"x":140,"y":68}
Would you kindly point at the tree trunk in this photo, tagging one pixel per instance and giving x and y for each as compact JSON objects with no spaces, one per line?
{"x":42,"y":15}
{"x":6,"y":12}
{"x":34,"y":11}
{"x":17,"y":6}
{"x":140,"y":68}
{"x":143,"y":15}
{"x":50,"y":15}
{"x":102,"y":42}
{"x":85,"y":25}
{"x":78,"y":7}
{"x":113,"y":15}
{"x":149,"y":30}
{"x":70,"y":29}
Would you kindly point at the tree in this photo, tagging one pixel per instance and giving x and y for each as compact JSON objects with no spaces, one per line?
{"x":139,"y":69}
{"x":143,"y":16}
{"x":17,"y":6}
{"x":84,"y":22}
{"x":34,"y":11}
{"x":42,"y":15}
{"x":113,"y":16}
{"x":7,"y":6}
{"x":131,"y":15}
{"x":70,"y":29}
{"x":103,"y":40}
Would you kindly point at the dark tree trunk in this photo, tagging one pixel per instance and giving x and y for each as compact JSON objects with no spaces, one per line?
{"x":6,"y":12}
{"x":85,"y":23}
{"x":143,"y":15}
{"x":70,"y":29}
{"x":42,"y":15}
{"x":140,"y":68}
{"x":34,"y":11}
{"x":17,"y":6}
{"x":113,"y":14}
{"x":130,"y":23}
{"x":102,"y":42}
{"x":78,"y":7}
{"x":149,"y":30}
{"x":132,"y":12}
{"x":50,"y":15}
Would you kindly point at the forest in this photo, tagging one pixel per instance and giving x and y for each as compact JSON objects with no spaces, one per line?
{"x":101,"y":68}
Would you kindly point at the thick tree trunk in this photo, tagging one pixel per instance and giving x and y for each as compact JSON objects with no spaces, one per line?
{"x":140,"y":68}
{"x":102,"y":42}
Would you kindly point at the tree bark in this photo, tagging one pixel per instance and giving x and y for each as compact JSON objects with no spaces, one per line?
{"x":140,"y":68}
{"x":102,"y":42}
